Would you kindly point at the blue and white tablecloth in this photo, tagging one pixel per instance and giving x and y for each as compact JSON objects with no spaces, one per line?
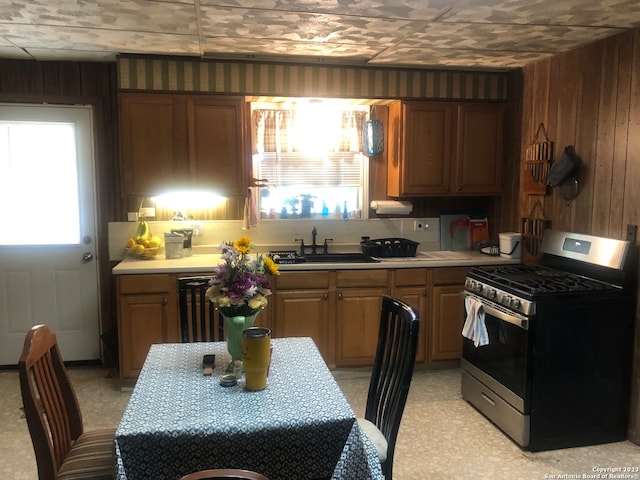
{"x":300,"y":427}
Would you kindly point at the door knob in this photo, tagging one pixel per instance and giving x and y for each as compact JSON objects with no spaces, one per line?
{"x":87,"y":257}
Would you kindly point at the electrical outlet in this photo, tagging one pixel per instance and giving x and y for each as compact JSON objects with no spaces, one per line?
{"x":147,"y":212}
{"x":420,"y":225}
{"x":196,"y":226}
{"x":132,"y":216}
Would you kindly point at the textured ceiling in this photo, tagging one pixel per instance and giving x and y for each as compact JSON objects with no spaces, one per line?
{"x":478,"y":34}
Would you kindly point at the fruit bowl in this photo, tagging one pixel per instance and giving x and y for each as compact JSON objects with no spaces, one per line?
{"x":143,"y":253}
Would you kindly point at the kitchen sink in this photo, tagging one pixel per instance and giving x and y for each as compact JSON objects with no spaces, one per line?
{"x":339,"y":258}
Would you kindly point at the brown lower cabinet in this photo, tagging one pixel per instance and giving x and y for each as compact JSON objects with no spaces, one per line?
{"x":301,"y":308}
{"x":147,"y":314}
{"x":339,"y":309}
{"x":411,"y":286}
{"x":358,"y":303}
{"x":447,"y":312}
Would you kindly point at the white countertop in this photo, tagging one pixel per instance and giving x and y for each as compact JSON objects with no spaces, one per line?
{"x":203,"y":263}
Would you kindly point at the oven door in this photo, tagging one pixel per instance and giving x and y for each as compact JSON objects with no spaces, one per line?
{"x":506,"y":359}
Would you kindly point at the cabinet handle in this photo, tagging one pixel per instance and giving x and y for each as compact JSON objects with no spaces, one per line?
{"x":325,"y":296}
{"x":459,"y":188}
{"x":340,"y":296}
{"x":165,"y":300}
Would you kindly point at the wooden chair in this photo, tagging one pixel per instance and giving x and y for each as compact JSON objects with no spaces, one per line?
{"x":234,"y":474}
{"x":197,"y":313}
{"x":390,"y":378}
{"x":63,"y":450}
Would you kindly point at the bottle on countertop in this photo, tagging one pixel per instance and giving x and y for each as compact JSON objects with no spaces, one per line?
{"x":336,"y":212}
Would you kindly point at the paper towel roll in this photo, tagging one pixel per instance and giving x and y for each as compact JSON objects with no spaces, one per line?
{"x":391,"y":207}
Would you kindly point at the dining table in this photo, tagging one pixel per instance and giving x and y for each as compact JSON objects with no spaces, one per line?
{"x":301,"y":426}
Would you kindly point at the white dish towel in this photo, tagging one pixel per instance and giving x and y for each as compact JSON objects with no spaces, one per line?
{"x":251,"y":212}
{"x":474,"y":327}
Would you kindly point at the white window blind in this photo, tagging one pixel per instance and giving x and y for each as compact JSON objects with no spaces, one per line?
{"x":337,"y":169}
{"x":310,"y":153}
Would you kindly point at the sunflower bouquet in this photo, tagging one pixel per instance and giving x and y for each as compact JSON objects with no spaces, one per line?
{"x":240,"y":285}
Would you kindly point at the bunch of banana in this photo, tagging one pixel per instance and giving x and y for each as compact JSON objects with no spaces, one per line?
{"x":143,"y":244}
{"x":143,"y":233}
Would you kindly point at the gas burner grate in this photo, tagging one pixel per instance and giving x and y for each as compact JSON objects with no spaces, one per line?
{"x":537,"y":279}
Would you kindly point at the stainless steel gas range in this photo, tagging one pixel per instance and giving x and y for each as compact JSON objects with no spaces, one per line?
{"x":555,"y":369}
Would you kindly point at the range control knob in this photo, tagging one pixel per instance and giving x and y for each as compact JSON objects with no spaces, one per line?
{"x":516,"y":304}
{"x":491,"y":293}
{"x":477,"y":287}
{"x":506,"y":300}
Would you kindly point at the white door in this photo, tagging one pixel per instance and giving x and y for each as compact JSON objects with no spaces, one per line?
{"x":48,"y":270}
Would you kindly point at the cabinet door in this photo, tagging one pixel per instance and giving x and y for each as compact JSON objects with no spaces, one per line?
{"x":447,"y":321}
{"x":142,"y":321}
{"x":358,"y":322}
{"x":427,"y":148}
{"x":416,"y":297}
{"x":303,"y":313}
{"x":152,"y":142}
{"x":421,"y":165}
{"x":479,"y":149}
{"x":216,"y":153}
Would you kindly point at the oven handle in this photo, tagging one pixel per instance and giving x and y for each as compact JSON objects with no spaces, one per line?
{"x":500,"y":312}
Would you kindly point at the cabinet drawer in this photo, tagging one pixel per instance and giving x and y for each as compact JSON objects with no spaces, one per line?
{"x":408,"y":277}
{"x":449,"y":276}
{"x":159,"y":283}
{"x":362,"y":278}
{"x":302,"y":280}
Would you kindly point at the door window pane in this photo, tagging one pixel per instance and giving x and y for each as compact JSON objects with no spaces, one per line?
{"x":39,"y":183}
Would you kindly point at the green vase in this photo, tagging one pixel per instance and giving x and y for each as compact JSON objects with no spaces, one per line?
{"x":233,"y":327}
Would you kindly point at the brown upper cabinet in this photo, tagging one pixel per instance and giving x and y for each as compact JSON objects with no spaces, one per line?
{"x":445,"y":148}
{"x":170,"y":141}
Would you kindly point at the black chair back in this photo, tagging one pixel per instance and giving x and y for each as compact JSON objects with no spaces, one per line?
{"x":392,"y":371}
{"x":198,"y":316}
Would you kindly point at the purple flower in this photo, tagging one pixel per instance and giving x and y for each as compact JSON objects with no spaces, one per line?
{"x":241,"y":282}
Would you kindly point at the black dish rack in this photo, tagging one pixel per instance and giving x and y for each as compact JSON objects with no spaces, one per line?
{"x":388,"y":247}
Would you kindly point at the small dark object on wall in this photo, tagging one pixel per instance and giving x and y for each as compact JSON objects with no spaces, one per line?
{"x":564,"y":167}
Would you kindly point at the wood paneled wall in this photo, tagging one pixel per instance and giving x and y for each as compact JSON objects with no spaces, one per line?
{"x":79,"y":83}
{"x":590,"y":98}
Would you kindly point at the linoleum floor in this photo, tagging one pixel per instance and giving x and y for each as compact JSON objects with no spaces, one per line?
{"x":441,"y":436}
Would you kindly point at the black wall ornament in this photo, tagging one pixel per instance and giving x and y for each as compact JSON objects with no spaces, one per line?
{"x":564,"y":174}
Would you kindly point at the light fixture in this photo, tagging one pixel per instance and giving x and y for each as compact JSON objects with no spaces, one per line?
{"x":184,"y":200}
{"x":373,"y":137}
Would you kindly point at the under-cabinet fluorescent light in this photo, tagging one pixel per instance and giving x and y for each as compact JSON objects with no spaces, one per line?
{"x":183,"y":200}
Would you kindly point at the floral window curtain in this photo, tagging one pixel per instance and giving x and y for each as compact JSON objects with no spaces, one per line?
{"x":351,"y":138}
{"x":274,"y":130}
{"x":300,"y":149}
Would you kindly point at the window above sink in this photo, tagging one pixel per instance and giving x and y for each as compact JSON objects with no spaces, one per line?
{"x":310,"y":153}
